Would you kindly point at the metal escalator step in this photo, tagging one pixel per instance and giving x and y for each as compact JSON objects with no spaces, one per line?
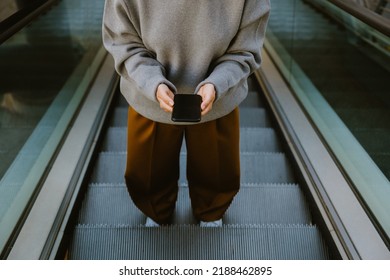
{"x":253,"y":99}
{"x":254,"y":204}
{"x":119,"y":117}
{"x":266,"y":168}
{"x":268,"y":204}
{"x":259,"y":139}
{"x":295,"y":242}
{"x":109,"y":168}
{"x":115,"y":140}
{"x":255,"y":168}
{"x":252,"y":140}
{"x":254,"y":117}
{"x":109,"y":204}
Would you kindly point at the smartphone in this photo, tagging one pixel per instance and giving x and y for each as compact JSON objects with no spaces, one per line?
{"x":186,"y":108}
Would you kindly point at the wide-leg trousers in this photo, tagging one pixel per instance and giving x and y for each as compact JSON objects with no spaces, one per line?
{"x":153,"y":162}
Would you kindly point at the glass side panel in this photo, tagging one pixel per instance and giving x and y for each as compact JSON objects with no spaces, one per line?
{"x":8,"y":8}
{"x":339,"y":69}
{"x":45,"y":72}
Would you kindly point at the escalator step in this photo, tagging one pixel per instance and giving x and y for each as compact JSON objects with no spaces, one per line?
{"x":93,"y":242}
{"x":254,"y":204}
{"x":266,"y":168}
{"x":253,"y":99}
{"x":109,"y":168}
{"x":115,"y":140}
{"x":252,"y":140}
{"x":119,"y":117}
{"x":254,"y":117}
{"x":255,"y":168}
{"x":259,"y":140}
{"x":109,"y":204}
{"x":268,"y":204}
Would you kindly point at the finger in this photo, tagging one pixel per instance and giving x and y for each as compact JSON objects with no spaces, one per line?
{"x":208,"y":97}
{"x":166,"y":105}
{"x":165,"y":98}
{"x":206,"y":110}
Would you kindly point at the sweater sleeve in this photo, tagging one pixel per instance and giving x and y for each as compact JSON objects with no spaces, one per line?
{"x":133,"y":61}
{"x":243,"y":56}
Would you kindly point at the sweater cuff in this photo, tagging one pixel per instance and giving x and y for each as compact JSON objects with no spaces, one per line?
{"x":224,"y":77}
{"x":152,"y":85}
{"x":218,"y":85}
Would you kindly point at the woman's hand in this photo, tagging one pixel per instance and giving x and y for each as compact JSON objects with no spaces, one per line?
{"x":165,"y":97}
{"x":207,"y":92}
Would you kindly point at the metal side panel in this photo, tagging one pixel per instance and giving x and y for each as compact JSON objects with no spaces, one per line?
{"x":349,"y":225}
{"x":44,"y":223}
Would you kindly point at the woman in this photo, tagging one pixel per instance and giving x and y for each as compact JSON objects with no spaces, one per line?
{"x":167,"y":47}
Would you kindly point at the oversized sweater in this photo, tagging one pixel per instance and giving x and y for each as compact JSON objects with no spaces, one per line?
{"x":184,"y":44}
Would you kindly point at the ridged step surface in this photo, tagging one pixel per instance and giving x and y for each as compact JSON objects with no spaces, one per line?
{"x":256,"y":139}
{"x":255,"y":168}
{"x":243,"y":242}
{"x":254,"y":204}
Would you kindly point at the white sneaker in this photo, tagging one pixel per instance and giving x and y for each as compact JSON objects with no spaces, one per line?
{"x":217,"y":223}
{"x":151,"y":223}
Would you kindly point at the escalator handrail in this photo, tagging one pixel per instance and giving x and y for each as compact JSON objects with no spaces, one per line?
{"x":23,"y":17}
{"x":367,"y":16}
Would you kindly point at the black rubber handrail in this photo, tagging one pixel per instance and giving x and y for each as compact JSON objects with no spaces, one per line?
{"x":367,"y":16}
{"x":27,"y":13}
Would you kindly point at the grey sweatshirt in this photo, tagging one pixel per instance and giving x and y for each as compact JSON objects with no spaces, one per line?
{"x":184,"y":44}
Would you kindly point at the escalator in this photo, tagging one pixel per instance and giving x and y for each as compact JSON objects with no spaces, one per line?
{"x":339,"y":67}
{"x":269,"y":219}
{"x":276,"y":214}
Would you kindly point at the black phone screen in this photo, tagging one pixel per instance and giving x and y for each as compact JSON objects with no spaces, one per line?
{"x":186,"y":108}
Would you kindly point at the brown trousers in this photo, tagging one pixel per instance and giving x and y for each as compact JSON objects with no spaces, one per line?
{"x":213,"y":165}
